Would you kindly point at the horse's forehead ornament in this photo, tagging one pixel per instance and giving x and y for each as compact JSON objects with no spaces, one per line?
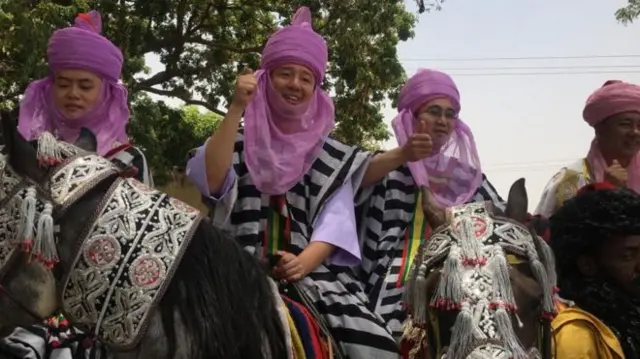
{"x":474,"y":281}
{"x":130,"y":248}
{"x":26,"y":221}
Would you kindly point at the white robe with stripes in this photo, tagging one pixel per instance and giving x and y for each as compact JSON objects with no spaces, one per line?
{"x":337,"y":293}
{"x":385,"y":212}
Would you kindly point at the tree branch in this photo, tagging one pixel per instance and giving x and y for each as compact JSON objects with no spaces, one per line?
{"x":187,"y":100}
{"x":175,"y":40}
{"x":166,"y":75}
{"x":215,"y":44}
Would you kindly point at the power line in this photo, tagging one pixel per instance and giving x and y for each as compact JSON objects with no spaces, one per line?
{"x":426,"y":59}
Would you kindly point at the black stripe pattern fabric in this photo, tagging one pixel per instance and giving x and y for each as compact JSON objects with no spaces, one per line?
{"x":386,"y":211}
{"x":336,"y":292}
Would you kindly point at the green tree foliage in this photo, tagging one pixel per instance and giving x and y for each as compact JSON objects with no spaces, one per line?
{"x":629,"y":13}
{"x":166,"y":134}
{"x":204,"y":43}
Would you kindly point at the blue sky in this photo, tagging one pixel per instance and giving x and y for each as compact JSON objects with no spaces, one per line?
{"x":525,"y":125}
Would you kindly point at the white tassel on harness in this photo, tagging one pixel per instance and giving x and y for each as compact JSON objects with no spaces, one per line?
{"x":508,"y":336}
{"x":49,"y":152}
{"x":26,"y":226}
{"x":502,"y":291}
{"x":471,"y":247}
{"x":419,"y":297}
{"x":44,"y":248}
{"x":462,"y":333}
{"x":449,"y":293}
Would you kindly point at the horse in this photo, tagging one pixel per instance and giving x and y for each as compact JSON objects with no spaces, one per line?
{"x":482,"y":284}
{"x":136,"y":270}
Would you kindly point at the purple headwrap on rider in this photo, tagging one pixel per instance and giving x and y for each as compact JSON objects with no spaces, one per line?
{"x":614,"y":97}
{"x":277,"y":160}
{"x":80,"y":47}
{"x":453,"y":172}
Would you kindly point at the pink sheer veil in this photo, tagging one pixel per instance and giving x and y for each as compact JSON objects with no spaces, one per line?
{"x":453,"y":172}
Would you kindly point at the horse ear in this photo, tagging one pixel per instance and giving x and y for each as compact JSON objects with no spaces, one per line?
{"x":22,"y":156}
{"x":433,"y":213}
{"x":518,"y":202}
{"x":87,"y":141}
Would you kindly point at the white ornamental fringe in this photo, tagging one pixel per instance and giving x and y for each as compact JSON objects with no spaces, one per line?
{"x":462,"y":333}
{"x":508,"y":335}
{"x":44,"y":248}
{"x":36,"y":238}
{"x":26,"y":224}
{"x":502,"y":291}
{"x":449,"y":293}
{"x":419,"y":299}
{"x":471,"y":247}
{"x":540,"y":273}
{"x":49,"y":152}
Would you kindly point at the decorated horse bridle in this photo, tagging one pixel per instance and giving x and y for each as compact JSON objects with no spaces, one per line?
{"x":473,"y":248}
{"x":130,"y":247}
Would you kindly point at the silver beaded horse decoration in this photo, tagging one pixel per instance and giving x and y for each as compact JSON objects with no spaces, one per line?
{"x":127,"y":256}
{"x":482,"y":285}
{"x":137,"y":271}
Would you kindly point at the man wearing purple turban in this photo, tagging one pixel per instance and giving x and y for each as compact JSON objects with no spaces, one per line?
{"x":82,"y":91}
{"x":394,"y":225}
{"x":284,"y":187}
{"x":614,"y":113}
{"x":81,"y":99}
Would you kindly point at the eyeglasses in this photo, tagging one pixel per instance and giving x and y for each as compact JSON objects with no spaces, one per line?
{"x":438,"y":111}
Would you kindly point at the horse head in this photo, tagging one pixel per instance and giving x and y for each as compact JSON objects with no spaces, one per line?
{"x":28,"y":289}
{"x":141,"y":272}
{"x":481,"y":284}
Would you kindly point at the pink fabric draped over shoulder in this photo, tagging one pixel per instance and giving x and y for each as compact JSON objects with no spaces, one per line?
{"x":80,"y":47}
{"x":276,"y":161}
{"x":453,"y":172}
{"x":613,"y":98}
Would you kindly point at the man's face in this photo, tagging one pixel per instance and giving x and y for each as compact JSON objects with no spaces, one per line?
{"x":620,"y":259}
{"x":619,"y":135}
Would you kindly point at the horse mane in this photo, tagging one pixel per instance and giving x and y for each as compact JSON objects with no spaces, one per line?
{"x":220,"y":292}
{"x":219,"y":304}
{"x":219,"y":298}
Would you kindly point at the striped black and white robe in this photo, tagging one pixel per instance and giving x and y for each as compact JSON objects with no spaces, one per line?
{"x":385,"y":212}
{"x":336,"y":291}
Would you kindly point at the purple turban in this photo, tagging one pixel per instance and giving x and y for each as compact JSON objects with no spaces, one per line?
{"x":425,"y":86}
{"x":275,"y":160}
{"x":453,"y":172}
{"x":83,"y":47}
{"x":297,"y":43}
{"x":80,"y":47}
{"x":612,"y":98}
